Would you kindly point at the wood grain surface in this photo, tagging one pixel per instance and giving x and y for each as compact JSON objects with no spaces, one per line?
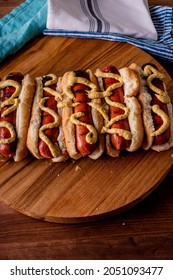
{"x":82,"y":190}
{"x":143,"y":232}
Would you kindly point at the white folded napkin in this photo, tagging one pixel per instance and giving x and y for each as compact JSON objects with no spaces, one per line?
{"x":131,"y":18}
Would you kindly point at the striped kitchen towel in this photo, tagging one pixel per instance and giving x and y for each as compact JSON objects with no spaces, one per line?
{"x":29,"y":20}
{"x":149,"y":28}
{"x":99,"y":16}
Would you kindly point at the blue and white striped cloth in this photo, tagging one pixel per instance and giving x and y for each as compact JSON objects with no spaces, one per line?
{"x":28,"y":21}
{"x":162,"y":18}
{"x":131,"y":18}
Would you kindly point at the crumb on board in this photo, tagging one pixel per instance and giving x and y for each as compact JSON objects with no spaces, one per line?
{"x":77,"y":168}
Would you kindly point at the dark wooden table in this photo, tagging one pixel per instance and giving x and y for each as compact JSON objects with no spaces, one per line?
{"x":143,"y":232}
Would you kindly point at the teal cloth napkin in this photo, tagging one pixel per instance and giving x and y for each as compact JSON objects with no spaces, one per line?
{"x":24,"y":23}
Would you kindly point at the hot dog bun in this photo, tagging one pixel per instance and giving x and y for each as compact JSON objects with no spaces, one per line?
{"x":85,"y":113}
{"x":24,"y":100}
{"x":36,"y":126}
{"x":131,"y":90}
{"x":23,"y":116}
{"x":69,"y":127}
{"x":145,"y":98}
{"x":130,"y":86}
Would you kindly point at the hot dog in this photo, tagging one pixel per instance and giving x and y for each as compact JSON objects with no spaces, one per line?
{"x":81,"y":121}
{"x":17,"y":92}
{"x":123,"y":121}
{"x":156,"y":107}
{"x":45,"y":136}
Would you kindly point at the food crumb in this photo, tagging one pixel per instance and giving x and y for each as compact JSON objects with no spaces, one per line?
{"x":77,"y":168}
{"x":123,"y":224}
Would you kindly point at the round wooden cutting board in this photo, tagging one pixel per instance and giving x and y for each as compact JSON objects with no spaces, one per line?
{"x":83,"y":190}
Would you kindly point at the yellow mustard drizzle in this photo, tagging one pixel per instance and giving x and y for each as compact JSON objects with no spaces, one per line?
{"x":122,"y":132}
{"x":151,"y":73}
{"x":106,"y":94}
{"x":62,"y":104}
{"x":52,"y":81}
{"x":55,"y":151}
{"x":13,"y":100}
{"x":56,"y":94}
{"x":10,"y":127}
{"x":94,"y":94}
{"x":166,"y":122}
{"x":100,"y":109}
{"x":72,"y":80}
{"x":91,"y":136}
{"x":54,"y":148}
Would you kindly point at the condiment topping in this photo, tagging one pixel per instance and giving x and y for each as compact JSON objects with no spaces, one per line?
{"x":10,"y":127}
{"x":13,"y":100}
{"x":50,"y":80}
{"x":106,"y":94}
{"x":53,"y":148}
{"x":62,"y":104}
{"x":100,"y":109}
{"x":94,"y":94}
{"x":91,"y":136}
{"x":11,"y":103}
{"x":152,"y":73}
{"x":166,"y":122}
{"x":56,"y":94}
{"x":72,"y":80}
